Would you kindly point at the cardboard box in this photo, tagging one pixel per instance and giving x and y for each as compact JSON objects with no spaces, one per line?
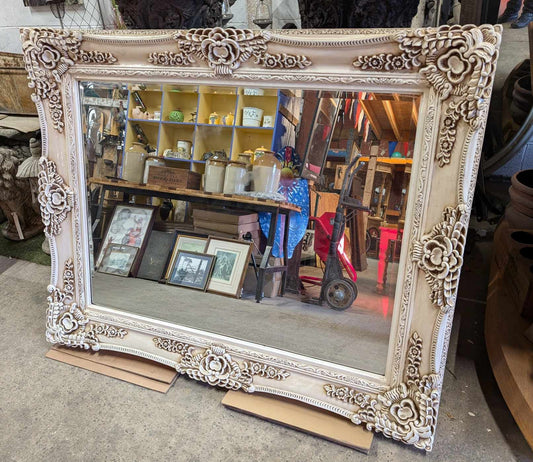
{"x":229,"y":228}
{"x":227,"y":216}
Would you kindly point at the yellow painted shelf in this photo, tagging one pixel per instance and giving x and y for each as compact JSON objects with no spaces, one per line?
{"x":197,"y":103}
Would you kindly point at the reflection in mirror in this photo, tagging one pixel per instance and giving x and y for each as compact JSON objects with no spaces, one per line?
{"x":198,"y":194}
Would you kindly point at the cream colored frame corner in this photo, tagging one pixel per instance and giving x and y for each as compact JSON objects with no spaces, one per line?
{"x":453,"y":69}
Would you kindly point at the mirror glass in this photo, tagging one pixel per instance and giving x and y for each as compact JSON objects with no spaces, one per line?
{"x":184,"y":182}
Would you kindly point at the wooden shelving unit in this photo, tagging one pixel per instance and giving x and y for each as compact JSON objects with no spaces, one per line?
{"x":197,"y":103}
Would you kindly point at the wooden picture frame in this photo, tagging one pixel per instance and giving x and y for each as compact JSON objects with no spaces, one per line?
{"x":130,"y":224}
{"x":185,"y":242}
{"x":229,"y":271}
{"x":156,"y":255}
{"x":118,"y":259}
{"x":451,"y":68}
{"x":191,"y":269}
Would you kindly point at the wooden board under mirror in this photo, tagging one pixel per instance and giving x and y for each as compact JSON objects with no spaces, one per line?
{"x":383,"y":127}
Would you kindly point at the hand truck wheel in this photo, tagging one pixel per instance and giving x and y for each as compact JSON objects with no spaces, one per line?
{"x":340,"y":294}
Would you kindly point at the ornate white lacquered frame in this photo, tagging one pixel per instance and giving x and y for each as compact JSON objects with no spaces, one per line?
{"x":451,"y":67}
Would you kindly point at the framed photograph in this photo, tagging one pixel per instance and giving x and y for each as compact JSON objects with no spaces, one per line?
{"x":129,"y":225}
{"x":191,"y":269}
{"x":156,"y":255}
{"x":185,"y":243}
{"x":232,"y":258}
{"x":118,"y":259}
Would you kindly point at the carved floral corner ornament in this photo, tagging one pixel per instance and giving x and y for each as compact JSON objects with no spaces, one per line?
{"x":224,"y":50}
{"x":48,"y":54}
{"x":215,"y":366}
{"x":406,"y":413}
{"x":440,"y":255}
{"x":67,"y":324}
{"x":457,"y":61}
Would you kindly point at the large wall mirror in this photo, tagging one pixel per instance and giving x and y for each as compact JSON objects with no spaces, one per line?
{"x":278,"y":212}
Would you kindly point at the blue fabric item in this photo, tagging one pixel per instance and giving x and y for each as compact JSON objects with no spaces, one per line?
{"x":297,"y":193}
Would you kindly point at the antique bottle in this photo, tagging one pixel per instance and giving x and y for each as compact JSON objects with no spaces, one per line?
{"x":214,"y":119}
{"x":228,"y":119}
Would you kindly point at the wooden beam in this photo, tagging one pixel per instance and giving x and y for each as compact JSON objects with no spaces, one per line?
{"x":369,"y":180}
{"x":387,"y":105}
{"x":414,"y":112}
{"x":289,"y":115}
{"x":372,"y":118}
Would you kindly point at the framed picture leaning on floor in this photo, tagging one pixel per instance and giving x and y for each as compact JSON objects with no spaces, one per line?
{"x":118,"y":259}
{"x":156,"y":255}
{"x":232,"y":259}
{"x":185,"y":243}
{"x":129,"y":225}
{"x":191,"y":269}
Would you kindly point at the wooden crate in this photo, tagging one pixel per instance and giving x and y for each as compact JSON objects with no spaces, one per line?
{"x":174,"y":178}
{"x":227,"y":216}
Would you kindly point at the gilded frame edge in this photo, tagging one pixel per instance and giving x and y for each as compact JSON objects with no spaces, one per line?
{"x":455,"y":65}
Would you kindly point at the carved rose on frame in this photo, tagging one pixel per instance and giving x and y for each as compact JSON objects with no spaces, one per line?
{"x":407,"y":412}
{"x":224,"y":50}
{"x":65,"y":321}
{"x":55,"y":198}
{"x":440,"y":255}
{"x":221,"y":48}
{"x":458,"y":61}
{"x":216,"y":367}
{"x":48,"y":55}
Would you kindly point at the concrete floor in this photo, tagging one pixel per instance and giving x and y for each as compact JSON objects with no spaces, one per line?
{"x":52,"y":411}
{"x":357,"y":337}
